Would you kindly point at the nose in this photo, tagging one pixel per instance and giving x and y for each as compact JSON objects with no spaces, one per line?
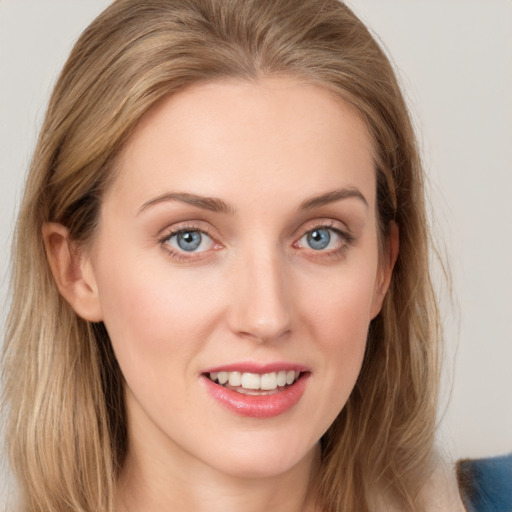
{"x":260,"y":304}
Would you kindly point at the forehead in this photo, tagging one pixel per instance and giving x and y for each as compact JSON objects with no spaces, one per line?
{"x":248,"y":140}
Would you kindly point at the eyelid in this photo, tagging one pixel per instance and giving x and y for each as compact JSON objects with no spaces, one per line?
{"x":335,"y":225}
{"x":183,"y":231}
{"x":347,"y":239}
{"x":188,"y":225}
{"x":176,"y":229}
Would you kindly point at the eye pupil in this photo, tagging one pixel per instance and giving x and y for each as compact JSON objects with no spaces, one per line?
{"x":319,"y":239}
{"x":189,"y":240}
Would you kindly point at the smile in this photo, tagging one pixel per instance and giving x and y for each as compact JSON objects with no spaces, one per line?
{"x":259,"y":393}
{"x":254,"y":383}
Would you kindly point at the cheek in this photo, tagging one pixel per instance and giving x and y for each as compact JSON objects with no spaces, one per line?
{"x":156,"y":319}
{"x":340,"y":306}
{"x":338,"y":316}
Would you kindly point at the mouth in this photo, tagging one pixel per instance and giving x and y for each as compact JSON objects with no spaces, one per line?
{"x":258,"y":393}
{"x":255,"y":384}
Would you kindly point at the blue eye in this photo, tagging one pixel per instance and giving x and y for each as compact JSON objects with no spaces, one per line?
{"x":190,"y":240}
{"x":325,"y":239}
{"x":318,"y":239}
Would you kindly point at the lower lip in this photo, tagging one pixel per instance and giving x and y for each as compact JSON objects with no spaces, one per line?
{"x":258,"y":406}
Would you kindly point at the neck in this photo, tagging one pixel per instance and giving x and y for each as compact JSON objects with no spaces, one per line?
{"x":161,"y":488}
{"x":158,"y":478}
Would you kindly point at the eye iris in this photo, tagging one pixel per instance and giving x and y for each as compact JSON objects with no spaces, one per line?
{"x":319,"y":239}
{"x":189,"y":240}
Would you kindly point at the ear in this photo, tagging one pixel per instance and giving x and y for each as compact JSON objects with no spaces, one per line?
{"x":386,"y":266}
{"x":72,"y":271}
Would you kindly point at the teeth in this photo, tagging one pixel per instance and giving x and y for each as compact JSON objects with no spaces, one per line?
{"x":255,"y":381}
{"x":281,"y":378}
{"x":269,"y":381}
{"x":234,"y":378}
{"x":250,"y":381}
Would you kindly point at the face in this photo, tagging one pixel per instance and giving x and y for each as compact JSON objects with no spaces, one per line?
{"x":237,"y":269}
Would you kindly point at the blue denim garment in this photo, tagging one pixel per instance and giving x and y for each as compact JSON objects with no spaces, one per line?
{"x":486,"y":484}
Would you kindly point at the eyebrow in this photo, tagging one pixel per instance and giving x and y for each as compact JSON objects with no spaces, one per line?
{"x":206,"y":203}
{"x":332,"y":197}
{"x":219,"y":206}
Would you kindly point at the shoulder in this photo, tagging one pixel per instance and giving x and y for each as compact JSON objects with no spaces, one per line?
{"x":440,"y":493}
{"x":486,"y":484}
{"x":472,"y":485}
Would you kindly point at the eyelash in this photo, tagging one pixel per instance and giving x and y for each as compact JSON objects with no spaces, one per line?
{"x":182,"y":255}
{"x":347,"y":240}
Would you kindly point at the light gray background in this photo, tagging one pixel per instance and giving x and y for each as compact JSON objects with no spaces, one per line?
{"x":455,"y":62}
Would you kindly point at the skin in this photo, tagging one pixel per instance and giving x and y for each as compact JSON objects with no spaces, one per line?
{"x":254,"y":291}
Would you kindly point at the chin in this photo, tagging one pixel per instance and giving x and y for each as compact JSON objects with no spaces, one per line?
{"x":268,"y":462}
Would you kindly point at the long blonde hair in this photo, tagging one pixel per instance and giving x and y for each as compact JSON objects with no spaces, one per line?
{"x":66,"y":424}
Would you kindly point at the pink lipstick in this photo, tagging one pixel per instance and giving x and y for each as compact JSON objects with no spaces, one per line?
{"x":257,"y":391}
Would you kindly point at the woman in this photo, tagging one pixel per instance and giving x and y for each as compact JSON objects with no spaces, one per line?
{"x":221,"y":293}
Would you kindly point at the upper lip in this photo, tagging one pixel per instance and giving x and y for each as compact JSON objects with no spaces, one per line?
{"x":253,"y":367}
